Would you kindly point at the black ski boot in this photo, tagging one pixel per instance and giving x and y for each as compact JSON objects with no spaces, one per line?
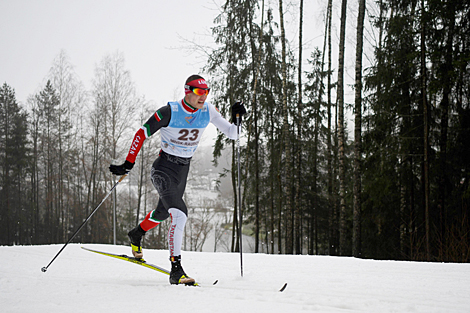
{"x":135,"y":236}
{"x":177,"y":274}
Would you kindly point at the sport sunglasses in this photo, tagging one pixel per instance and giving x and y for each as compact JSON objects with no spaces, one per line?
{"x":198,"y":91}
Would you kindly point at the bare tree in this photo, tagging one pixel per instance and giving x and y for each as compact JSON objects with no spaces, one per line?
{"x":116,"y":102}
{"x":199,"y":226}
{"x":72,"y":97}
{"x":223,"y":217}
{"x":147,"y":157}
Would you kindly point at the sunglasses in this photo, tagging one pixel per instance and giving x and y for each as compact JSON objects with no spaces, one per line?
{"x":198,"y":91}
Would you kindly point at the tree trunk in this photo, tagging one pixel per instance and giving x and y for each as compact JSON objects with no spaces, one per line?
{"x":445,"y":104}
{"x":256,"y":70}
{"x":285,"y":131}
{"x":331,"y":206}
{"x":341,"y":138}
{"x":357,"y":133}
{"x":298,"y":228}
{"x":426,"y":133}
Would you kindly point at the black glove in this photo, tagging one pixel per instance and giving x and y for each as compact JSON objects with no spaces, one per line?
{"x":121,"y":169}
{"x":238,"y":108}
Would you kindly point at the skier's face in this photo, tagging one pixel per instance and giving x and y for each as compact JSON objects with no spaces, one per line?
{"x":195,"y":101}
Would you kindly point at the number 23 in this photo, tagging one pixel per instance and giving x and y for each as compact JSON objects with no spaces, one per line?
{"x":185,"y":133}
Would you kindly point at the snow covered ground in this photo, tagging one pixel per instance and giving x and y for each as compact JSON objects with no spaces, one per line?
{"x":81,"y":281}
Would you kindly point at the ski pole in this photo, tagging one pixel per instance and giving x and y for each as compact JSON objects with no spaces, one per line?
{"x":239,"y":196}
{"x":44,"y":269}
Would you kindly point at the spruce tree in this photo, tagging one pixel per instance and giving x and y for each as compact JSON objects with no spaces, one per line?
{"x":15,"y":223}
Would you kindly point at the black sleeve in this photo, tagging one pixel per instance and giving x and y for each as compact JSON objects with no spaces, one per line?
{"x":161,"y":118}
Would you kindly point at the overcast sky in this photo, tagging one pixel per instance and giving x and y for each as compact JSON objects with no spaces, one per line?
{"x":153,"y":35}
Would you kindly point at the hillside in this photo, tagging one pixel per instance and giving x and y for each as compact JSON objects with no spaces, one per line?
{"x":80,"y":281}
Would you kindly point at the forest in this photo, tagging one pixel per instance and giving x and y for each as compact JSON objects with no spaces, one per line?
{"x":394,"y":185}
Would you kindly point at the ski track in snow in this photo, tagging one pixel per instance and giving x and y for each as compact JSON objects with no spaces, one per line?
{"x":82,"y":281}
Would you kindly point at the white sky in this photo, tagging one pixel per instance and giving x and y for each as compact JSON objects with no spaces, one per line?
{"x":156,"y":38}
{"x":149,"y":33}
{"x":152,"y":35}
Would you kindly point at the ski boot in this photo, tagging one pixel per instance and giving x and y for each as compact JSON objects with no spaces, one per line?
{"x":177,"y":274}
{"x":135,"y":236}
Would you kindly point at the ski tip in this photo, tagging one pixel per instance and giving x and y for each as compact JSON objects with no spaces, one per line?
{"x":216,"y":281}
{"x":283,"y":288}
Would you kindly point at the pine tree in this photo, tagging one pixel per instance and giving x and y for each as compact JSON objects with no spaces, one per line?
{"x":15,"y":224}
{"x":233,"y":74}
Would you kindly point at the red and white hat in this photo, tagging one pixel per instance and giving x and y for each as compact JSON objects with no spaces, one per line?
{"x":198,"y":83}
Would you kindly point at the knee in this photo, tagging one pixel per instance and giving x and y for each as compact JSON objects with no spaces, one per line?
{"x":160,"y":215}
{"x":178,"y":217}
{"x":174,"y":202}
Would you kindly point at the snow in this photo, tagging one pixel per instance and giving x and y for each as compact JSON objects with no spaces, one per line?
{"x":82,"y":281}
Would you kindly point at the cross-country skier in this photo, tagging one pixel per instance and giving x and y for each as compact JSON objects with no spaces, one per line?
{"x":181,"y":124}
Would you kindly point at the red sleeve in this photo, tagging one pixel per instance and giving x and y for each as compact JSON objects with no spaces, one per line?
{"x":136,"y":145}
{"x":159,"y":119}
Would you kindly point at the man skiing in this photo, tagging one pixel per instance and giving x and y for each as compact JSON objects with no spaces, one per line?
{"x":181,"y":124}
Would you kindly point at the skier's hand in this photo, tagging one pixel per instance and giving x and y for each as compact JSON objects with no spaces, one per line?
{"x":121,"y":169}
{"x":238,"y":108}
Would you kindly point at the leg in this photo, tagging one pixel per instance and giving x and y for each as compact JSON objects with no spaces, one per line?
{"x":176,"y":231}
{"x":175,"y":238}
{"x":170,"y":181}
{"x":155,"y":217}
{"x":162,"y":183}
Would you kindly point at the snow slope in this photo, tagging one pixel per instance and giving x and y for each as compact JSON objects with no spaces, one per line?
{"x":81,"y":281}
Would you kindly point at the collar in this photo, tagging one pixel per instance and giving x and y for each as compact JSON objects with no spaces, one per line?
{"x":187,"y":107}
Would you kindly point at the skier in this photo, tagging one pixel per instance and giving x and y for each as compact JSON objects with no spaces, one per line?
{"x":181,"y":124}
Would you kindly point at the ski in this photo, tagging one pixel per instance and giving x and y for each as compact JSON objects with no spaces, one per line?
{"x":144,"y":263}
{"x":134,"y":260}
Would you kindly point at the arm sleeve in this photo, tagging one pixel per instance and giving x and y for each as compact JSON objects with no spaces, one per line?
{"x":230,"y":130}
{"x":161,"y":118}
